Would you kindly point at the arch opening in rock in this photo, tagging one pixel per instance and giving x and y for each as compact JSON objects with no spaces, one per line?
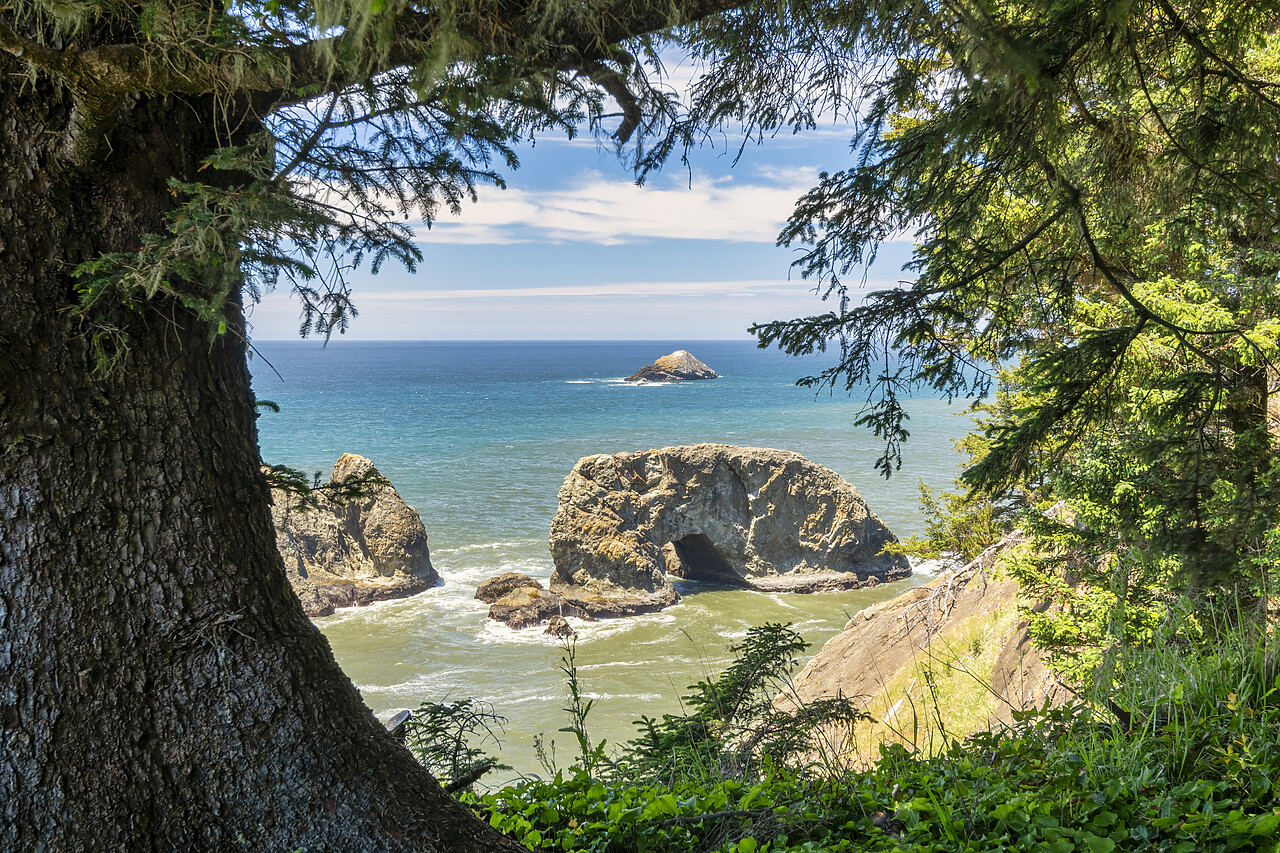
{"x":696,"y":558}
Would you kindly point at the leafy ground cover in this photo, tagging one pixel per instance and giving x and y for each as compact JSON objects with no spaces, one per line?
{"x":1183,"y":756}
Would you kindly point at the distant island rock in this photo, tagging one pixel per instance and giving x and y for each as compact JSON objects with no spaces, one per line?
{"x":353,"y":552}
{"x":751,"y":517}
{"x":680,"y":366}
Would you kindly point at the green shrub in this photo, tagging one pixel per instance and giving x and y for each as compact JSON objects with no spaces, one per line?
{"x":734,"y":726}
{"x":1180,"y":757}
{"x":448,"y":739}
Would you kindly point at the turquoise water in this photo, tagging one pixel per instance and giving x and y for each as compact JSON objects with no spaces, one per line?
{"x":478,"y":437}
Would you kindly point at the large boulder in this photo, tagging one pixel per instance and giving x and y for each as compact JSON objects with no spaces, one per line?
{"x":680,"y":366}
{"x":353,"y":551}
{"x":747,"y":516}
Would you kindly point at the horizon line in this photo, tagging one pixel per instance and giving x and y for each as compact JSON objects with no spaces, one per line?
{"x":502,"y":340}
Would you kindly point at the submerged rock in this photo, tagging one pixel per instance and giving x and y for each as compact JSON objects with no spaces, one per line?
{"x":352,"y":552}
{"x":558,"y":626}
{"x":612,"y":606}
{"x":751,"y":517}
{"x":680,"y":366}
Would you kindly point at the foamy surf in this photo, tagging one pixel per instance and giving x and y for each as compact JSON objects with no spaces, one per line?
{"x":384,"y":613}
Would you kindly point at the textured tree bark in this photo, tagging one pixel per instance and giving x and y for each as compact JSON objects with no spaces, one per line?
{"x":160,"y":687}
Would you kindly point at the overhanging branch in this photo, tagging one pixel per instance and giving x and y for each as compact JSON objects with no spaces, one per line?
{"x":615,"y":84}
{"x":577,"y":40}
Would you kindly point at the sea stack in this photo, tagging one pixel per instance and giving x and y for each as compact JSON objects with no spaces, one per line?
{"x":747,"y":516}
{"x":680,"y":366}
{"x":352,"y":552}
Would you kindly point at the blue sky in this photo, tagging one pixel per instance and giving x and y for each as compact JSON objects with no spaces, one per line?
{"x":573,"y":250}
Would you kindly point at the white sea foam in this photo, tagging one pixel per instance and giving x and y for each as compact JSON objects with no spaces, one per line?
{"x":414,"y":692}
{"x":384,"y":612}
{"x":438,"y":687}
{"x":494,"y":633}
{"x":588,"y":631}
{"x":474,"y":574}
{"x":585,"y":667}
{"x":487,"y":546}
{"x":522,"y":700}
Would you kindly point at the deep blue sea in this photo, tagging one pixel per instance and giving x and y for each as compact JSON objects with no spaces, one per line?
{"x":478,"y":438}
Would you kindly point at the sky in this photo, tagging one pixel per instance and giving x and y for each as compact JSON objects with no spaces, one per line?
{"x":572,"y":249}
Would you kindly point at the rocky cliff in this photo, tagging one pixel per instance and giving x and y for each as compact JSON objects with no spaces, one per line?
{"x":753,"y":517}
{"x":353,"y":551}
{"x":938,"y":662}
{"x":679,"y":366}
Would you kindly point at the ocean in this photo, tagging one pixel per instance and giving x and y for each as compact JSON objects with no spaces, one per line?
{"x":478,"y":436}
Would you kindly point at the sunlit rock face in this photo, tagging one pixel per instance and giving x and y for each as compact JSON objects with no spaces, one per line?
{"x":352,"y":552}
{"x":680,"y":366}
{"x":747,"y":516}
{"x":967,"y":622}
{"x":521,"y":602}
{"x":495,"y":588}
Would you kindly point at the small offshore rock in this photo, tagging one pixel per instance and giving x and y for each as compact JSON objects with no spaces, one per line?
{"x":679,"y":366}
{"x":558,"y":626}
{"x":526,"y":606}
{"x":496,"y":587}
{"x":353,"y":552}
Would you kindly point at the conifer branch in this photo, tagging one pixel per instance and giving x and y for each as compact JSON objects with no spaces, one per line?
{"x":101,"y":77}
{"x":616,"y":85}
{"x":44,"y":58}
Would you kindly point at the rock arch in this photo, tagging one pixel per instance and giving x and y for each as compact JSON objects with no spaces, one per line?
{"x":754,"y":517}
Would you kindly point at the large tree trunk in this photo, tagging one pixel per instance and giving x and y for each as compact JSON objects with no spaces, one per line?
{"x":160,"y":687}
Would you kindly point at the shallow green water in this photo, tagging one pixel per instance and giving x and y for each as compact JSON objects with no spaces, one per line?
{"x":478,"y":438}
{"x":441,"y":644}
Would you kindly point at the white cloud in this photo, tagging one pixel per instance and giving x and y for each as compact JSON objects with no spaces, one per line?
{"x":587,"y":291}
{"x":599,"y":210}
{"x":697,"y":310}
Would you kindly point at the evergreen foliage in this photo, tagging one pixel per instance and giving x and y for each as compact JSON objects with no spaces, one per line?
{"x":734,"y":726}
{"x":1089,"y":187}
{"x":165,"y":162}
{"x":449,"y":739}
{"x":333,"y":123}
